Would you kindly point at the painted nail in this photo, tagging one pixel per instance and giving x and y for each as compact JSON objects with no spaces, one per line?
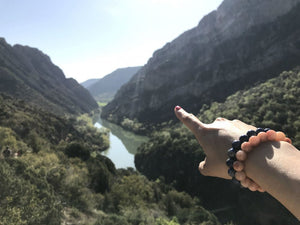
{"x":177,"y":108}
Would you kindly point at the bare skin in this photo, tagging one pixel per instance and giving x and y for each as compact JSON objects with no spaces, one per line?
{"x":275,"y":166}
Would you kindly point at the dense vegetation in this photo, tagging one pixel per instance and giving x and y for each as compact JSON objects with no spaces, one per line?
{"x":274,"y":104}
{"x":173,"y":153}
{"x":59,"y":176}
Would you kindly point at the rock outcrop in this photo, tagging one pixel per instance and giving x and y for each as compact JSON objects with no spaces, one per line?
{"x":241,"y":43}
{"x":27,"y":73}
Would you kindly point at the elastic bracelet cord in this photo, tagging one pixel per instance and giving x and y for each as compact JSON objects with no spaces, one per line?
{"x":238,"y":154}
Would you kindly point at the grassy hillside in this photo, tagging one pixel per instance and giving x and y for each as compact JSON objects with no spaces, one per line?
{"x":59,"y":176}
{"x":274,"y":104}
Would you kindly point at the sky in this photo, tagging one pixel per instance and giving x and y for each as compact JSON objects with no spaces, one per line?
{"x":92,"y":38}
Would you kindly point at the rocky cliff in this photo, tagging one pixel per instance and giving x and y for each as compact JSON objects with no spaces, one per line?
{"x":104,"y":89}
{"x":29,"y":74}
{"x":241,"y":43}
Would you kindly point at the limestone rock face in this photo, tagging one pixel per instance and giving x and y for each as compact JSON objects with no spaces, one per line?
{"x":29,"y":74}
{"x":241,"y":43}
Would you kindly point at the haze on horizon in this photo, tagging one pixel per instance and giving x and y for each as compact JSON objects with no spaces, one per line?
{"x":90,"y":39}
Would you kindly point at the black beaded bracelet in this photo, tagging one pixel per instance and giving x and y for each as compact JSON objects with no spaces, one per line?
{"x":236,"y":146}
{"x":237,"y":154}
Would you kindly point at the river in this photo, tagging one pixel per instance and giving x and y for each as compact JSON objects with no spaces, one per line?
{"x":123,"y":144}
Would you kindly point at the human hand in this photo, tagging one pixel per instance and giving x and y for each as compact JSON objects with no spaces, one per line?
{"x":215,"y":139}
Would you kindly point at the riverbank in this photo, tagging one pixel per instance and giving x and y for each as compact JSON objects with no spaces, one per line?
{"x":123,"y":144}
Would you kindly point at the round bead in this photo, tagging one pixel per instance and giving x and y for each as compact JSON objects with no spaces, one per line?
{"x":245,"y":183}
{"x":271,"y":135}
{"x":238,"y":154}
{"x":240,"y":175}
{"x":236,"y":145}
{"x":231,"y":172}
{"x":254,"y":141}
{"x":238,"y":166}
{"x":246,"y":146}
{"x":243,"y":138}
{"x":253,"y":186}
{"x":258,"y":130}
{"x":229,"y":162}
{"x":231,"y":152}
{"x":263,"y":136}
{"x":288,"y":140}
{"x":251,"y":133}
{"x":241,"y":155}
{"x":280,"y":136}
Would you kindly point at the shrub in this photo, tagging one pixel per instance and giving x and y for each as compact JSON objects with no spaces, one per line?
{"x":26,"y":198}
{"x":76,"y":149}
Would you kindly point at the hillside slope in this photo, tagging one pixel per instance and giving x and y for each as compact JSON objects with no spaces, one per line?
{"x":105,"y":88}
{"x":274,"y":104}
{"x":28,"y":74}
{"x":241,"y":43}
{"x":60,"y":177}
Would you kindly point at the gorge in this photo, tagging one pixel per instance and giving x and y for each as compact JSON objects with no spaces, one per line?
{"x":231,"y":65}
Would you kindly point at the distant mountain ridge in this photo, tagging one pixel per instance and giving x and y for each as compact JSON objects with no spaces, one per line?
{"x":27,"y":73}
{"x":241,"y":43}
{"x":89,"y":82}
{"x":104,"y":89}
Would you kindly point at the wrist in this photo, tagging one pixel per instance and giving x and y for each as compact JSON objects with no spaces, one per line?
{"x":270,"y":163}
{"x":239,"y":153}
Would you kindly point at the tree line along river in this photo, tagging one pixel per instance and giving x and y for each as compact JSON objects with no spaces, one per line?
{"x":123,"y":144}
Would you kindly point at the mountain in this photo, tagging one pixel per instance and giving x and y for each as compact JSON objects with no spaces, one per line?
{"x":89,"y":82}
{"x":274,"y":103}
{"x":241,"y":43}
{"x":104,"y":89}
{"x":27,"y":73}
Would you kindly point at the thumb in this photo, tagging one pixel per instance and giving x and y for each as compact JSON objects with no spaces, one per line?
{"x":213,"y":169}
{"x":203,"y":169}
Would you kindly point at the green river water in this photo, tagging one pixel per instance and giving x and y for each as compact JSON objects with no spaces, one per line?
{"x":123,"y":144}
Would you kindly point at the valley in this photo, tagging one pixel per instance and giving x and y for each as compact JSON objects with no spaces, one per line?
{"x":111,"y":150}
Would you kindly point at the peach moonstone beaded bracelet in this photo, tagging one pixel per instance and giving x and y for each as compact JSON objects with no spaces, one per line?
{"x":238,"y":154}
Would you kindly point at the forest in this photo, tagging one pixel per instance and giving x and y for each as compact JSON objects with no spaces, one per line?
{"x":57,"y":175}
{"x":274,"y":103}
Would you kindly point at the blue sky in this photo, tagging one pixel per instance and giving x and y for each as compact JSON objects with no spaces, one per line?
{"x":91,"y":38}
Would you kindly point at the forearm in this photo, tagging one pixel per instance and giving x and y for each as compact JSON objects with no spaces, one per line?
{"x":275,"y":166}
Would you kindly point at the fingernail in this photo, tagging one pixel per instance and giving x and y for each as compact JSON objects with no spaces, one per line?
{"x":177,"y":108}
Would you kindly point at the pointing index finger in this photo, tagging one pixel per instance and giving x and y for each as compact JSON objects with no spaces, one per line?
{"x":189,"y":120}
